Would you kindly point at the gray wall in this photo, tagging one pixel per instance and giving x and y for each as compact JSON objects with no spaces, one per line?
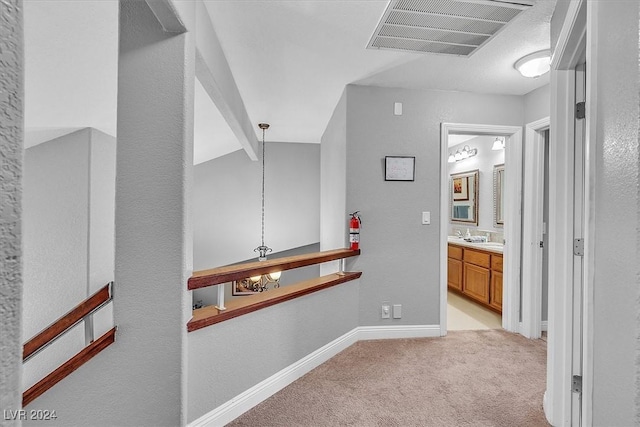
{"x":537,"y":104}
{"x":333,"y":183}
{"x":227,"y":203}
{"x":11,"y":140}
{"x":615,"y":174}
{"x":230,"y":357}
{"x":69,"y":195}
{"x":400,"y":257}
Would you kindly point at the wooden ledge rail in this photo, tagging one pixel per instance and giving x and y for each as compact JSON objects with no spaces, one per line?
{"x":215,"y":276}
{"x":68,"y":367}
{"x":66,"y":322}
{"x":207,"y":316}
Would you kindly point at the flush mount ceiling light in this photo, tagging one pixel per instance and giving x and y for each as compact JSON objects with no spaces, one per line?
{"x":535,"y":64}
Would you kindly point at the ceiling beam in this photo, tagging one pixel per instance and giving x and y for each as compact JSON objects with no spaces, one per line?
{"x":213,"y":72}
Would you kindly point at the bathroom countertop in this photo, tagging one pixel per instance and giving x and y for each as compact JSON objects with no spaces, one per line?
{"x":488,"y":246}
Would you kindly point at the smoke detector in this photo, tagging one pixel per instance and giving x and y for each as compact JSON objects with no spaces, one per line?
{"x":448,"y":27}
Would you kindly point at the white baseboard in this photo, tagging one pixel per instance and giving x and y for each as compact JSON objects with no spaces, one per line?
{"x":401,"y":331}
{"x":544,"y":325}
{"x":235,"y":407}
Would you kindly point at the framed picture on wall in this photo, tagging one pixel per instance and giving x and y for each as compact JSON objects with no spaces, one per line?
{"x":461,"y":188}
{"x":399,"y":168}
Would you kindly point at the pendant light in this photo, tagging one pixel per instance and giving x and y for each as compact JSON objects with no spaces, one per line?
{"x":260,"y":283}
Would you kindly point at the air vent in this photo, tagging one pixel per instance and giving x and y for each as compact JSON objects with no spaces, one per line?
{"x":449,"y":27}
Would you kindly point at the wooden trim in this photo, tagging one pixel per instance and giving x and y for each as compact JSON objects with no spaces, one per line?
{"x":207,"y":316}
{"x":65,"y":322}
{"x":68,"y":367}
{"x":215,"y":276}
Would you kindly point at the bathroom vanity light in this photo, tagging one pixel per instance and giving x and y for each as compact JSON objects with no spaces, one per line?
{"x":463,"y":154}
{"x":535,"y":64}
{"x":498,"y":144}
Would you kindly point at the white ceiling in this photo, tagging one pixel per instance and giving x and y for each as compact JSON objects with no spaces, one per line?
{"x":291,"y":61}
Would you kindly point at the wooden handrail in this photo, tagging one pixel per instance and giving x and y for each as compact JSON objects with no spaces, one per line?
{"x":207,"y":316}
{"x":215,"y":276}
{"x":65,"y":322}
{"x":68,"y":367}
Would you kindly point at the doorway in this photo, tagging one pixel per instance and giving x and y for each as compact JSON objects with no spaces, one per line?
{"x":475,"y":235}
{"x":512,"y":233}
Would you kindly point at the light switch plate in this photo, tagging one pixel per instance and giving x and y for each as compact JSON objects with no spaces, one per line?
{"x":426,"y":218}
{"x":397,"y":311}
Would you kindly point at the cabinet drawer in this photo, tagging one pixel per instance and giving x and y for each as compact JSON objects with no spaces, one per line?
{"x":455,"y":252}
{"x":478,"y":258}
{"x":496,"y":262}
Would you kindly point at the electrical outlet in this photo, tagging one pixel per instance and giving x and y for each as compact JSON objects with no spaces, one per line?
{"x":397,"y":311}
{"x":386,"y":310}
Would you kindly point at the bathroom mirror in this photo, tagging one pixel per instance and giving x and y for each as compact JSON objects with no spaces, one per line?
{"x":498,"y":192}
{"x":463,"y":200}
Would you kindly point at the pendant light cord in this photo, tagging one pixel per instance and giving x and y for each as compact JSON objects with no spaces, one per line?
{"x":263,"y":151}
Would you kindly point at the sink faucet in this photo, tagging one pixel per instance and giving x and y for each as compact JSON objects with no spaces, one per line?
{"x":458,"y":233}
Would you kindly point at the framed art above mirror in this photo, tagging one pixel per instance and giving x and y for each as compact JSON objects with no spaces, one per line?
{"x":498,"y":196}
{"x":463,"y":197}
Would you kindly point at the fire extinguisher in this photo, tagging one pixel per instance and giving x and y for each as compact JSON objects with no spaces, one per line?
{"x":354,"y":231}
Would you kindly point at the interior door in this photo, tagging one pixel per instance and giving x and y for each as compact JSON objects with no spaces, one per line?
{"x":578,"y":233}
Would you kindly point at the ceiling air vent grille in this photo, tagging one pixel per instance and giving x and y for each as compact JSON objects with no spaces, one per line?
{"x":451,"y":27}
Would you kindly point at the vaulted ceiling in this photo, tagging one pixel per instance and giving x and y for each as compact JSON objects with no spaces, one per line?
{"x":290,"y":59}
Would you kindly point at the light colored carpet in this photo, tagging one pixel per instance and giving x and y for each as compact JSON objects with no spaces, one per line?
{"x":468,"y":378}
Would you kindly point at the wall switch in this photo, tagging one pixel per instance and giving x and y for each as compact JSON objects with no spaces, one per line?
{"x":397,"y":108}
{"x":397,"y":311}
{"x":426,"y":218}
{"x":386,"y":311}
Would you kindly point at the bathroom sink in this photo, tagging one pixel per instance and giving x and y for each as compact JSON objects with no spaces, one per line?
{"x":492,"y":245}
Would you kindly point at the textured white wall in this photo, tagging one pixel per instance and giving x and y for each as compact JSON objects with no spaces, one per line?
{"x":333,"y":184}
{"x":400,"y":256}
{"x":613,"y":96}
{"x":56,"y":224}
{"x":141,"y":379}
{"x":11,"y":136}
{"x":230,"y":357}
{"x":227,"y":203}
{"x":537,"y":104}
{"x":484,"y":162}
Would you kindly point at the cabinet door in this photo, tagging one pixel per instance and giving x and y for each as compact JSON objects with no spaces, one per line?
{"x":454,"y":274}
{"x":476,"y":282}
{"x":496,"y":290}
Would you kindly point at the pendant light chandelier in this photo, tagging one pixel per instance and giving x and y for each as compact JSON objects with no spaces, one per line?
{"x":259,"y":283}
{"x":263,"y":250}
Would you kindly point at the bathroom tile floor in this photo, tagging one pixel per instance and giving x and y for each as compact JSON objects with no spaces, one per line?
{"x":464,"y":315}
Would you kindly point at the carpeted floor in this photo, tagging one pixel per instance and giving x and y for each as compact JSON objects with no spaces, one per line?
{"x":468,"y":378}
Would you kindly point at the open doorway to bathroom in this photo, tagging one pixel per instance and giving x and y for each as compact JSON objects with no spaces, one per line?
{"x":480,"y":226}
{"x":475,"y":237}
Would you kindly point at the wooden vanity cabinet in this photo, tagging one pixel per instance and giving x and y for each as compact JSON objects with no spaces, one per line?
{"x":454,"y":268}
{"x":476,"y":274}
{"x":496,"y":282}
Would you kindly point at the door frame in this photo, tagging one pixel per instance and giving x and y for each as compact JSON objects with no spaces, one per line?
{"x":568,"y":52}
{"x":512,"y":232}
{"x":532,"y":230}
